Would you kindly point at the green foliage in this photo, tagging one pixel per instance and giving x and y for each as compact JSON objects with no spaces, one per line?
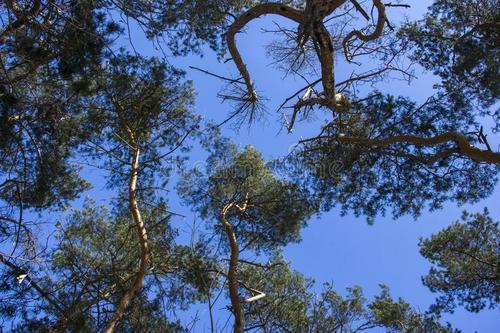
{"x":47,"y":64}
{"x":151,"y":99}
{"x":401,"y":317}
{"x":59,"y":86}
{"x":285,"y":306}
{"x":67,"y":94}
{"x":68,"y":36}
{"x":40,"y":128}
{"x":465,"y":262}
{"x":370,"y":179}
{"x":40,"y":131}
{"x":185,"y":25}
{"x":51,"y":54}
{"x":97,"y":254}
{"x":460,"y":42}
{"x":291,"y":305}
{"x":276,"y":210}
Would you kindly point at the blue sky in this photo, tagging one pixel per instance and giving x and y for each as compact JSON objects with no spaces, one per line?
{"x":343,"y":250}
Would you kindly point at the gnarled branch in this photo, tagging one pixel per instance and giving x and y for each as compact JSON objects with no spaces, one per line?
{"x":379,"y":28}
{"x":463,"y":146}
{"x":242,"y":20}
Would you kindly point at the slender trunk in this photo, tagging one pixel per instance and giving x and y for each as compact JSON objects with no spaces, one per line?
{"x":141,"y":232}
{"x":232,"y":273}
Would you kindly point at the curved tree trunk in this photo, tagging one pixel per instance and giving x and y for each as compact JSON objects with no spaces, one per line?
{"x":141,"y":230}
{"x":239,"y":318}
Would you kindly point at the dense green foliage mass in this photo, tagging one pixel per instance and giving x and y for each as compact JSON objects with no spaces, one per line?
{"x":276,"y":210}
{"x":466,"y":259}
{"x":345,"y":168}
{"x":94,"y":263}
{"x":45,"y":68}
{"x":460,"y":42}
{"x":154,"y":102}
{"x":51,"y":54}
{"x":184,"y":25}
{"x":254,"y":210}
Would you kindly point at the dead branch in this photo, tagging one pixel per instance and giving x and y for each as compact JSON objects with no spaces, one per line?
{"x":311,"y":26}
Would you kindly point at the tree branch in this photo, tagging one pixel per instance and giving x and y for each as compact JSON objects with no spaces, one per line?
{"x":366,"y":38}
{"x":240,"y":22}
{"x":464,"y":147}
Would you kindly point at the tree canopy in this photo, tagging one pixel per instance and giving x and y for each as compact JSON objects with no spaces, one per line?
{"x":465,"y":259}
{"x":292,"y":305}
{"x":253,"y":208}
{"x":79,"y":94}
{"x":459,"y":42}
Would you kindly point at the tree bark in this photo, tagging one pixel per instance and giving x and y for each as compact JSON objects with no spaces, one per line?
{"x":325,"y":55}
{"x":141,"y":230}
{"x":464,"y":148}
{"x":253,"y":13}
{"x":239,"y":318}
{"x":311,"y":25}
{"x":379,"y":29}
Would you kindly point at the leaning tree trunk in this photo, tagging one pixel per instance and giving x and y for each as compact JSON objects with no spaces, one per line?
{"x":141,"y":230}
{"x":239,"y":318}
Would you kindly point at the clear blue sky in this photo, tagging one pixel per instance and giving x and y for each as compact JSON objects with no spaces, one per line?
{"x":342,"y":250}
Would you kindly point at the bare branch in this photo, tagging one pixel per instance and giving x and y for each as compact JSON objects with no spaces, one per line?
{"x":241,"y":21}
{"x":362,"y":36}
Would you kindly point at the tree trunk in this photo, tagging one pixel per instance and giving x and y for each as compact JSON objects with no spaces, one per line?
{"x":231,"y":276}
{"x":141,"y":232}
